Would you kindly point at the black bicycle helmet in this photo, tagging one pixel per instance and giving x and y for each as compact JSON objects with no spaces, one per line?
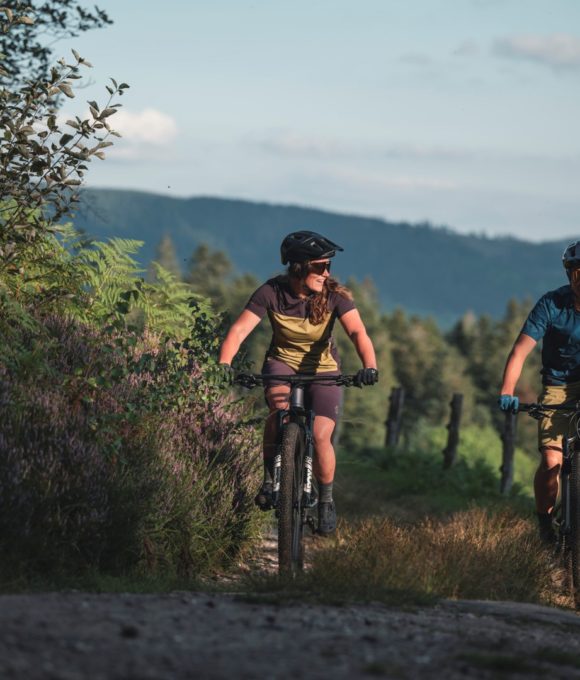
{"x":571,"y":257}
{"x":302,"y":246}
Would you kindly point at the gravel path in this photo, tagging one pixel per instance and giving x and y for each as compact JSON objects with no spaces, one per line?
{"x":73,"y":636}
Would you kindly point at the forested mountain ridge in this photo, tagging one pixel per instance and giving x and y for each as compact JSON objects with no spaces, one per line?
{"x":424,"y":269}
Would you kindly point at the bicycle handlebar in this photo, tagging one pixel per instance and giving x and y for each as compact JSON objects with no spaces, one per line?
{"x":571,"y":406}
{"x":250,"y":380}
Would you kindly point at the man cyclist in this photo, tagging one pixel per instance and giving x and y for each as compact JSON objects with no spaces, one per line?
{"x":556,"y":319}
{"x":302,"y":306}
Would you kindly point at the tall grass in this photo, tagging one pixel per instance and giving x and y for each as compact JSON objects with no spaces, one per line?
{"x":412,"y":532}
{"x":473,"y":554}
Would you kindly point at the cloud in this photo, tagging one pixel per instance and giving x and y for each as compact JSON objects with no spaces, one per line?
{"x":558,"y":51}
{"x":288,"y":143}
{"x":416,"y":58}
{"x":468,"y":48}
{"x":145,"y":135}
{"x":374,"y":181}
{"x":148,"y":126}
{"x":294,"y":145}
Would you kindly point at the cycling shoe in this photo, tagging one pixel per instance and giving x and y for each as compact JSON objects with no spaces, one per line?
{"x":326,"y":518}
{"x":264,"y":498}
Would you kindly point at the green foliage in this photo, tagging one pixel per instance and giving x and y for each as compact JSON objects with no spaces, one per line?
{"x":118,"y":453}
{"x":212,"y":275}
{"x":42,"y":161}
{"x":26,"y":53}
{"x":485,"y":344}
{"x":167,"y":472}
{"x":428,"y":368}
{"x":208,"y":274}
{"x":166,"y":257}
{"x":365,"y":411}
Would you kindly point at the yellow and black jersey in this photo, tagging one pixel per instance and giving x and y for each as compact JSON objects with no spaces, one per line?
{"x":296,"y":341}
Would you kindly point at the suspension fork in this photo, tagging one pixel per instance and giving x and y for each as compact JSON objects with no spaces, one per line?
{"x":296,"y":407}
{"x":308,"y":496}
{"x":568,"y":450}
{"x":281,"y":418}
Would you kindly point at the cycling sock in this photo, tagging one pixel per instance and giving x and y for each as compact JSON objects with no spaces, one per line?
{"x":325,"y":493}
{"x":269,"y":470}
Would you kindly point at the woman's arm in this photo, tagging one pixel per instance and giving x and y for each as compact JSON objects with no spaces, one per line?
{"x":356,"y":331}
{"x":238,"y":332}
{"x":515,"y":362}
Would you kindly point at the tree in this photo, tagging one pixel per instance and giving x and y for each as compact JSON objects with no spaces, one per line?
{"x":26,"y":52}
{"x":43,"y":162}
{"x":166,"y":256}
{"x":364,"y":411}
{"x":209,"y":272}
{"x":428,"y":368}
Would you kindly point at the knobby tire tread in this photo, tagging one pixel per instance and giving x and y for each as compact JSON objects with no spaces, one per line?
{"x":289,"y":448}
{"x":575,"y":526}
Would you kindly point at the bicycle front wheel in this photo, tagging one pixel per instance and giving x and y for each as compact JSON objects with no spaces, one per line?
{"x":574,"y":537}
{"x":290,"y":525}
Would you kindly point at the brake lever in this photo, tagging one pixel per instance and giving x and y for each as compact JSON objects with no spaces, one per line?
{"x":245,"y":380}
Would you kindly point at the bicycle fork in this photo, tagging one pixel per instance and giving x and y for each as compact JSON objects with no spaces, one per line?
{"x":567,"y":453}
{"x":309,"y":498}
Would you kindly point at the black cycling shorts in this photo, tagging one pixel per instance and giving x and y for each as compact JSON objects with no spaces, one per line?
{"x":324,"y":400}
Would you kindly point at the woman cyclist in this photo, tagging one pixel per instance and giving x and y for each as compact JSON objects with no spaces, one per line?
{"x":302,"y":306}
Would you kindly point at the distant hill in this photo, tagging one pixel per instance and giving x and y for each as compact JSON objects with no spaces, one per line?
{"x":424,"y":269}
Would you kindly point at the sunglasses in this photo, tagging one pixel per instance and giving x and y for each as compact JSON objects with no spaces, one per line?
{"x":319,"y":267}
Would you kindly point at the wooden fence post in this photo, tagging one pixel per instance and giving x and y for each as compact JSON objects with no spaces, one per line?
{"x":393,"y":423}
{"x":450,"y":451}
{"x":508,"y":439}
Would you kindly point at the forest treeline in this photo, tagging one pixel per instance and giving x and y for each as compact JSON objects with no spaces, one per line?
{"x":414,"y":266}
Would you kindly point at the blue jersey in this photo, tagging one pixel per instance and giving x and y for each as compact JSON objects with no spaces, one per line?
{"x":555,"y":319}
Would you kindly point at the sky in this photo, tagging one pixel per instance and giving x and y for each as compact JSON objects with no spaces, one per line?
{"x":463,"y":113}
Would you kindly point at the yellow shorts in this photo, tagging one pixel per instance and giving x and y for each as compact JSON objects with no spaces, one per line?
{"x":553,"y":427}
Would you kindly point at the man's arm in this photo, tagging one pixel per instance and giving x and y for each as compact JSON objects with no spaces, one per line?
{"x":515,"y":362}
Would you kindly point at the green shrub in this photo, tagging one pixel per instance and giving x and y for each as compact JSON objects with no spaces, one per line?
{"x":118,"y":454}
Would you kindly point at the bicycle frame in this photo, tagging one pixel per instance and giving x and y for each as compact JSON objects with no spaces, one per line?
{"x":569,"y":444}
{"x":294,"y":424}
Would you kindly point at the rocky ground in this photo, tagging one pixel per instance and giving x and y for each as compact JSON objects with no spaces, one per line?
{"x":69,"y":636}
{"x":187,"y":635}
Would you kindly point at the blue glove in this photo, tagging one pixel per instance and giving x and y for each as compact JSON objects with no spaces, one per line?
{"x":507,"y":402}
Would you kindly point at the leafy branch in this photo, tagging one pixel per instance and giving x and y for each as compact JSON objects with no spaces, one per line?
{"x":41,"y":163}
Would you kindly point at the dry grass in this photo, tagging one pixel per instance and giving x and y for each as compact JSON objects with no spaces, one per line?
{"x":474,"y":554}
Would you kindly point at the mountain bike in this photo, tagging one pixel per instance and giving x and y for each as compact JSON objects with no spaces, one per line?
{"x":566,"y":515}
{"x":294,"y":495}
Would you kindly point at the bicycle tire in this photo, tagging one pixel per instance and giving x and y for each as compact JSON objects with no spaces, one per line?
{"x":574,"y":537}
{"x":290,"y":529}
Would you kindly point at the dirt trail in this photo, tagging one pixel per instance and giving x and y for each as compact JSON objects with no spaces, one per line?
{"x":184,"y":635}
{"x":73,"y":636}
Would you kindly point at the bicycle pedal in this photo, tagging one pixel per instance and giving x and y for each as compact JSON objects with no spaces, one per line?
{"x":310,"y":501}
